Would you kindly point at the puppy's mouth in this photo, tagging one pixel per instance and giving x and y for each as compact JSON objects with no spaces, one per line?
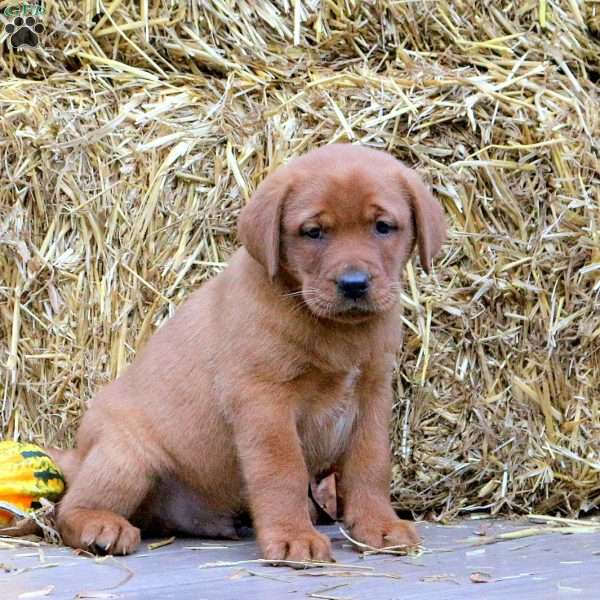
{"x":343,"y":310}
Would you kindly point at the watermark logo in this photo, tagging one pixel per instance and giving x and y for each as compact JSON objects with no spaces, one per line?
{"x":24,"y":25}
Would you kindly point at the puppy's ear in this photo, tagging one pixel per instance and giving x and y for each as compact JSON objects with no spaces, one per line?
{"x":428,"y":214}
{"x":260,"y":220}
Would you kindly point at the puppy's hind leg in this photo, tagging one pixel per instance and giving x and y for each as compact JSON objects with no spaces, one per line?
{"x":110,"y":484}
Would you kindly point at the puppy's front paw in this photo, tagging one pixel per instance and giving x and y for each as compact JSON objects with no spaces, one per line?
{"x":385,"y":533}
{"x":295,"y":545}
{"x":99,"y":530}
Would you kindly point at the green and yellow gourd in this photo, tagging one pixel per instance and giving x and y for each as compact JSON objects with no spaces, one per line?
{"x":27,"y":474}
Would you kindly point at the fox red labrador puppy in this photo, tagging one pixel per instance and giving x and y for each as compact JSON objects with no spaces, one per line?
{"x":269,"y":374}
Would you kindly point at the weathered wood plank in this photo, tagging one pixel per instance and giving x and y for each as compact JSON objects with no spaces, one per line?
{"x":543,"y":566}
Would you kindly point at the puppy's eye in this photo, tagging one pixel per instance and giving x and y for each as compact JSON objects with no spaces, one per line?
{"x":383,"y":227}
{"x":313,"y":232}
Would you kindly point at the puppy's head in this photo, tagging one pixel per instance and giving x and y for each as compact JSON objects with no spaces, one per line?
{"x":339,"y":224}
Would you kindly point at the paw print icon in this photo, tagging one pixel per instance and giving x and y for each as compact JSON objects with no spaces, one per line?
{"x":24,"y":32}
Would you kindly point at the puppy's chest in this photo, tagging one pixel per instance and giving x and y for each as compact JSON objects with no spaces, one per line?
{"x":327,"y":419}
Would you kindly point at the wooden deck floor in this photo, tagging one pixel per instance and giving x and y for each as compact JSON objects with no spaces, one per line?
{"x":545,"y":566}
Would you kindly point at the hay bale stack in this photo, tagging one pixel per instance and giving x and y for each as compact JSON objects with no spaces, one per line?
{"x":132,"y":136}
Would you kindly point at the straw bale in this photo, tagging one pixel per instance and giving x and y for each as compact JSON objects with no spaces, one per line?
{"x":131,"y":137}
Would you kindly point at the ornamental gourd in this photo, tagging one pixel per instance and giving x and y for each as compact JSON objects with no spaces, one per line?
{"x":27,"y":474}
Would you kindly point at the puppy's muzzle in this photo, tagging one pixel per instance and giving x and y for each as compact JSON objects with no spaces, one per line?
{"x":353,"y":285}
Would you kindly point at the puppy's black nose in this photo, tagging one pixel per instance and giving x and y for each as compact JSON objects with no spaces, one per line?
{"x":353,"y":284}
